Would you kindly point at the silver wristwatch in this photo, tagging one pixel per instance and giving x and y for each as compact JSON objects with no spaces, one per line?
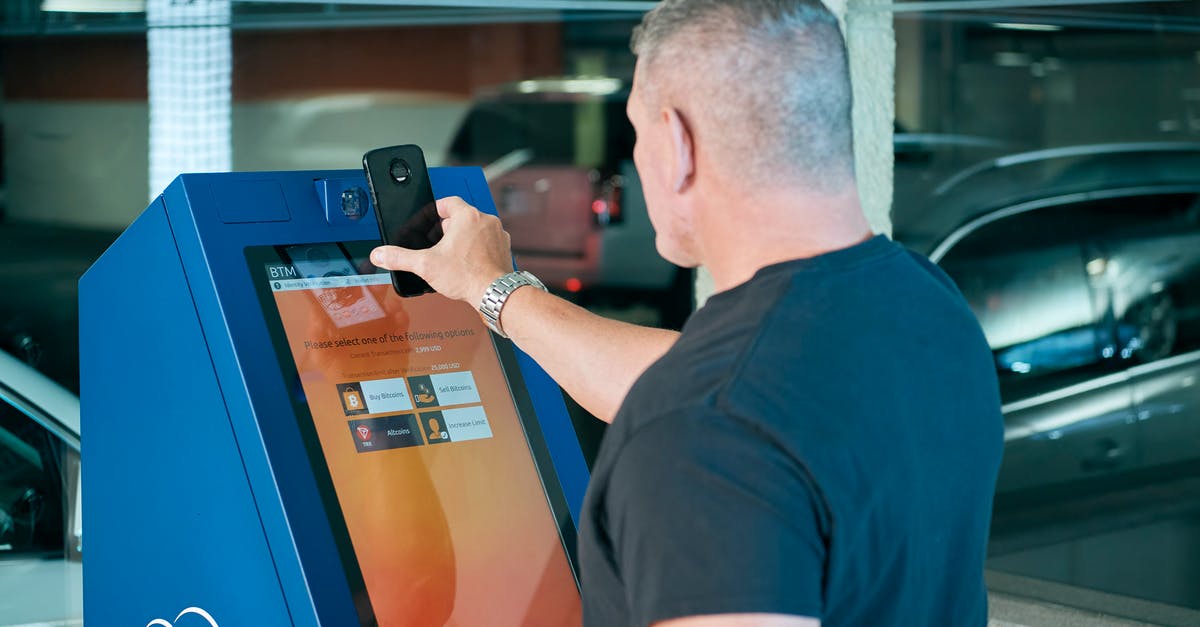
{"x":498,"y":292}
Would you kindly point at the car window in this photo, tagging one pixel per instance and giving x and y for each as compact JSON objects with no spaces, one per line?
{"x":549,"y":130}
{"x":1035,"y":306}
{"x":34,"y":471}
{"x":1057,"y":289}
{"x":1152,"y":273}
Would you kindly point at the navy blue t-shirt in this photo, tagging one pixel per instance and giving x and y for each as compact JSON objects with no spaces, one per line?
{"x":823,"y":440}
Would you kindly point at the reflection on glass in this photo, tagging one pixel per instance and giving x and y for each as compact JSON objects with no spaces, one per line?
{"x":40,"y":562}
{"x":345,"y":306}
{"x":1034,"y":305}
{"x":1092,"y":311}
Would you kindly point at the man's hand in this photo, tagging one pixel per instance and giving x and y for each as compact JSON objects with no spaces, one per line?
{"x":474,"y":251}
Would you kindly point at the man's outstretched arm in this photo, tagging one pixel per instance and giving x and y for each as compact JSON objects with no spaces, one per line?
{"x":594,"y":359}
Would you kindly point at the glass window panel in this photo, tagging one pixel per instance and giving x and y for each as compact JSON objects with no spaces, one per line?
{"x":1025,"y":278}
{"x":1086,"y":117}
{"x":314,"y":85}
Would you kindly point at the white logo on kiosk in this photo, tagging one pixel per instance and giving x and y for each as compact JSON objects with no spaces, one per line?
{"x":162,"y":622}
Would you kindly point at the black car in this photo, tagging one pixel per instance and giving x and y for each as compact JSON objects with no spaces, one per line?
{"x":1083,"y":266}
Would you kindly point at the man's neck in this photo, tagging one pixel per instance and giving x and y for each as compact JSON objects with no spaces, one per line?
{"x":773,"y":228}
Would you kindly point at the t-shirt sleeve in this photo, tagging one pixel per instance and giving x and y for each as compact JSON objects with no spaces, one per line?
{"x":709,"y":516}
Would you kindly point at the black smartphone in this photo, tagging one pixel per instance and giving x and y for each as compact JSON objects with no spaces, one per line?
{"x":404,"y":206}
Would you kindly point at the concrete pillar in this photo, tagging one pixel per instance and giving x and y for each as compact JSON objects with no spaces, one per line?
{"x":872,"y":45}
{"x":871,"y":42}
{"x":190,"y":55}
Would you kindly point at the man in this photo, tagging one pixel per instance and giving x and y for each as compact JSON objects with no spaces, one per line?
{"x":821,"y":442}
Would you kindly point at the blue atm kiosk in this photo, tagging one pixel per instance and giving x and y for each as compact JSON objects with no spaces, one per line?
{"x":271,"y":436}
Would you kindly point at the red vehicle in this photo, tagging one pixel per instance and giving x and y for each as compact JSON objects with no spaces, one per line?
{"x":558,"y":154}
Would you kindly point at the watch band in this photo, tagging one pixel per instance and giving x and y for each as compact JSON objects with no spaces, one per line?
{"x":497,"y":294}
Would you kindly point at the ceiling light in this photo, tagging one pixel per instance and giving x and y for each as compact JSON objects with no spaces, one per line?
{"x":593,"y":86}
{"x":94,"y":6}
{"x":1047,"y":28}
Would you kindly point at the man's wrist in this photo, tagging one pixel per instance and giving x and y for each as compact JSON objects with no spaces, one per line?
{"x":491,"y":306}
{"x":482,"y":291}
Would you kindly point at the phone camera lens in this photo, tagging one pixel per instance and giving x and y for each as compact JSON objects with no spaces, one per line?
{"x":400,"y":171}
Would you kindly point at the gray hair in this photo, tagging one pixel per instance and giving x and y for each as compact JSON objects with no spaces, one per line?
{"x":772,"y":80}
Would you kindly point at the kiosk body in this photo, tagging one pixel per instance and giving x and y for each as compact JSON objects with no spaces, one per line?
{"x":222,"y":483}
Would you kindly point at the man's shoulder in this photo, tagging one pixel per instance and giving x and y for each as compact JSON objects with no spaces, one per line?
{"x":805,"y":339}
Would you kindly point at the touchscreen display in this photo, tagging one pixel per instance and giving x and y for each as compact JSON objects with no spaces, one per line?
{"x":431,"y":469}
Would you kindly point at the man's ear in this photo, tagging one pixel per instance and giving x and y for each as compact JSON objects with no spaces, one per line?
{"x":682,"y":150}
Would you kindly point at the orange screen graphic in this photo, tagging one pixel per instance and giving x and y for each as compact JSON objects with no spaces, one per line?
{"x":444,"y":507}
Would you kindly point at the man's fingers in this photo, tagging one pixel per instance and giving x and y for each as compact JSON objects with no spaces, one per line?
{"x":395,"y":258}
{"x":453,"y":205}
